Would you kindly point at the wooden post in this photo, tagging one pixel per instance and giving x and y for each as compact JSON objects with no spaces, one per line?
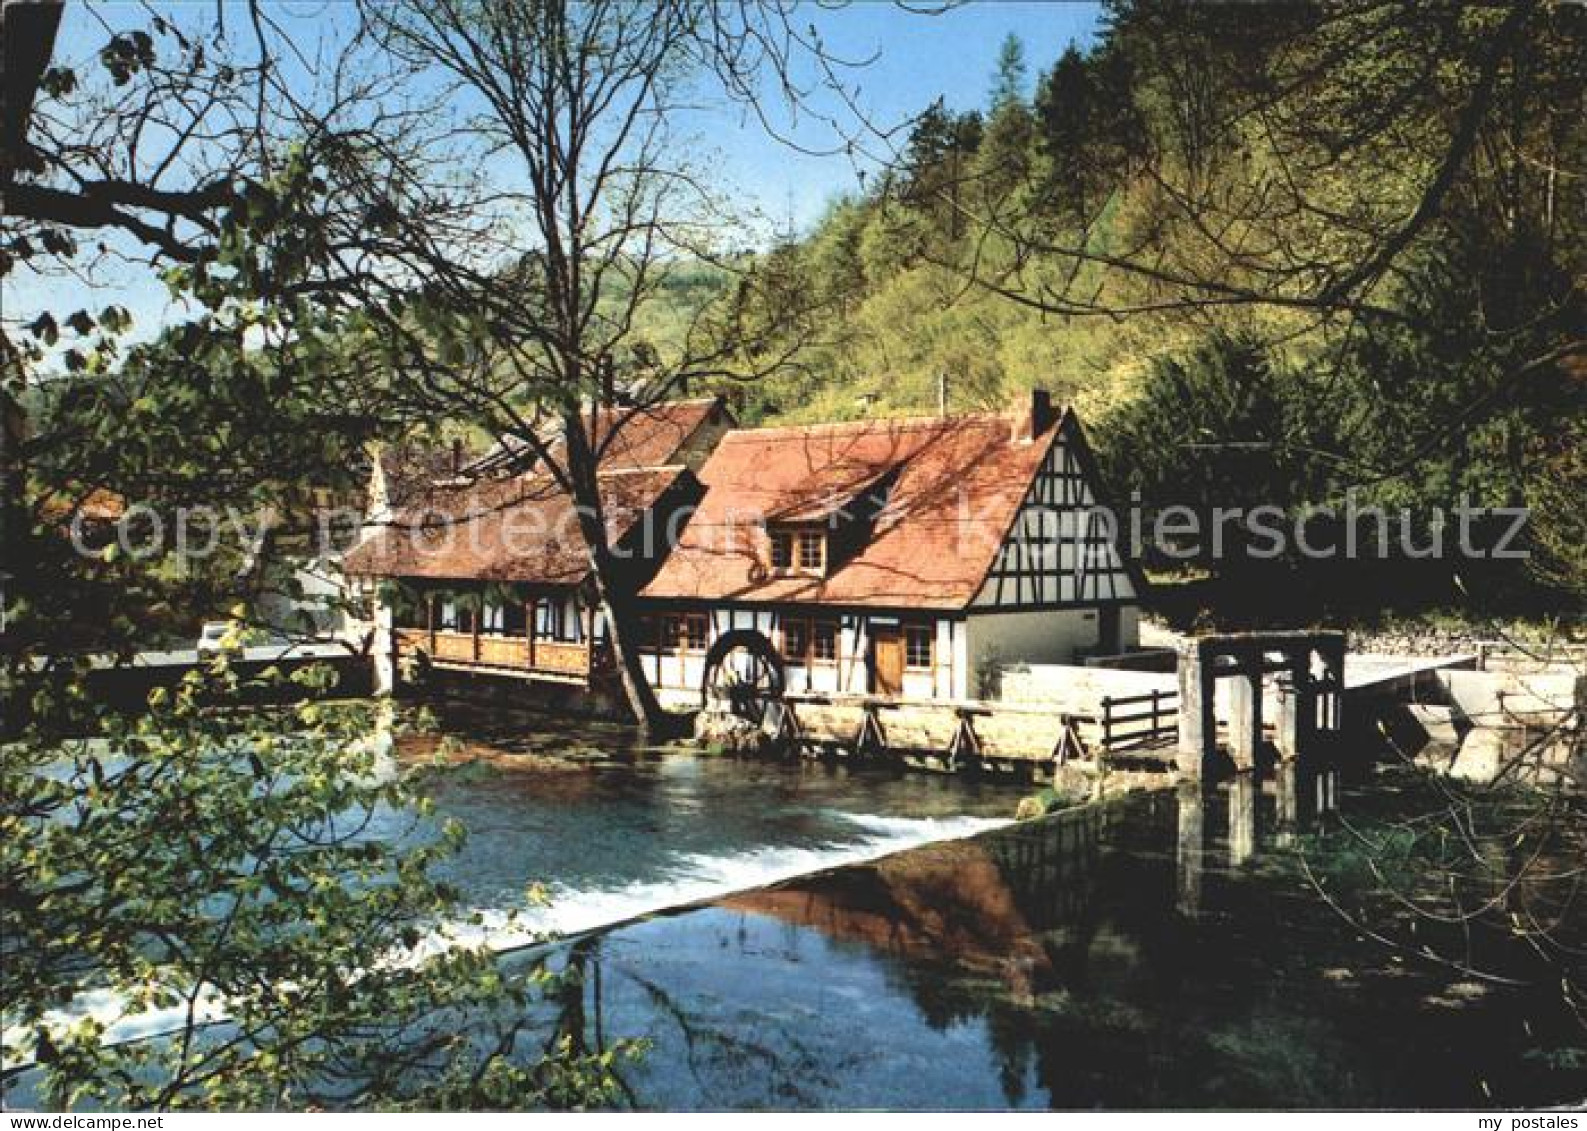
{"x":1198,"y":733}
{"x":1107,"y":722}
{"x":1331,"y":648}
{"x":1245,"y":712}
{"x":529,"y":628}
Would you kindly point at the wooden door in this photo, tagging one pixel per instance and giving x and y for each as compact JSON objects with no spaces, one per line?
{"x":887,"y":660}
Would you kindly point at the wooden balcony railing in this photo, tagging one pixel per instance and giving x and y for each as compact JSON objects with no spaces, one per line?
{"x":498,"y":653}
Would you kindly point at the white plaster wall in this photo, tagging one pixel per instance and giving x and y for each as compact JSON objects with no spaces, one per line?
{"x":679,"y":672}
{"x":963,"y":662}
{"x":1050,"y":636}
{"x":854,"y":643}
{"x":919,"y":685}
{"x":1079,"y":688}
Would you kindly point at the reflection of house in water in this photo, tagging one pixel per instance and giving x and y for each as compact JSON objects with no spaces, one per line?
{"x":989,"y":905}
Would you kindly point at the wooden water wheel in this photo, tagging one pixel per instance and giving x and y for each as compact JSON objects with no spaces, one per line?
{"x":743,"y":674}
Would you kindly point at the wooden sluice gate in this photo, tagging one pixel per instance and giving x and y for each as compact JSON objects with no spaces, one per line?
{"x":1309,"y":685}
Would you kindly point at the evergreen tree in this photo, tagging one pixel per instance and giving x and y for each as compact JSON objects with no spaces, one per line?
{"x":1064,"y":107}
{"x":1008,"y":78}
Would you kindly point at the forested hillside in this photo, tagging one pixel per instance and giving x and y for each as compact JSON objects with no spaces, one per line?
{"x":1272,"y":252}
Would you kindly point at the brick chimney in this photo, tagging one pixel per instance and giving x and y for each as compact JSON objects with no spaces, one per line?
{"x":1032,"y":418}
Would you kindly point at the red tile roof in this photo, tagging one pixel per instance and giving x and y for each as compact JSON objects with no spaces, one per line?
{"x":521,"y":528}
{"x":960,"y":481}
{"x":462,"y":514}
{"x":412,"y":470}
{"x":649,"y":436}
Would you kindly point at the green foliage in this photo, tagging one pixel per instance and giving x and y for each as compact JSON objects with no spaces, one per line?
{"x":1008,"y":78}
{"x":1217,"y":427}
{"x":267,"y":880}
{"x":1208,"y":175}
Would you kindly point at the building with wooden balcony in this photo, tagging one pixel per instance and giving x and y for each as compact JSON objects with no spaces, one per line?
{"x":476,"y":560}
{"x":902,"y":558}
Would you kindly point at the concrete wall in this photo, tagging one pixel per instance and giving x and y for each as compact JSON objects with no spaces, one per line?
{"x":1129,"y":627}
{"x":1073,"y":688}
{"x":1501,"y":699}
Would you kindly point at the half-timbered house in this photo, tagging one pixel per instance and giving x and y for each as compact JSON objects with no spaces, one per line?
{"x":897,"y":557}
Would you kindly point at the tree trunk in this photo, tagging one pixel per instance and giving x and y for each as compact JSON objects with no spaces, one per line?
{"x":617,"y":606}
{"x":612,"y":582}
{"x":16,"y":556}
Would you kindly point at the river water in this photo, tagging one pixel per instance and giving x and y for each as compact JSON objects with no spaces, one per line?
{"x":610,"y":829}
{"x":794,"y":935}
{"x":1165,"y":950}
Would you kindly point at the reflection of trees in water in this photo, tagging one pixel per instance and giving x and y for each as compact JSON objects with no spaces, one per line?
{"x":791,"y":1069}
{"x":796,"y":1072}
{"x":1483,"y":882}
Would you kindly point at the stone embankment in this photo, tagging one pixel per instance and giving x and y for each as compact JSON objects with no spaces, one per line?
{"x":1500,"y":727}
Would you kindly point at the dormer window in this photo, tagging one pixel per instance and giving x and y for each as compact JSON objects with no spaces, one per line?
{"x":782,"y":544}
{"x":797,"y":549}
{"x":812,"y":550}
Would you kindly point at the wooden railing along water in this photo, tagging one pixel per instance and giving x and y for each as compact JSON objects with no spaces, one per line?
{"x":519,"y":655}
{"x":952,"y":734}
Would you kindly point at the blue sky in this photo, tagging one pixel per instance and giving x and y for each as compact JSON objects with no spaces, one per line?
{"x":917,"y":59}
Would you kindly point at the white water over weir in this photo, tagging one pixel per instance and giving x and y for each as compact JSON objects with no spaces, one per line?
{"x":695,"y":878}
{"x":702,"y":877}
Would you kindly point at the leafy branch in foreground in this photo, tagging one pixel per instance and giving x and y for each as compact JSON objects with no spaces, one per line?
{"x":257,"y":889}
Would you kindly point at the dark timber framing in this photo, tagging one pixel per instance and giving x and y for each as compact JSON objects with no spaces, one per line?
{"x":1038,"y":557}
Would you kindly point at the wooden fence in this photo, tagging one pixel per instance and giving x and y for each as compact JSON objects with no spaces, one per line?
{"x":1138,"y":722}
